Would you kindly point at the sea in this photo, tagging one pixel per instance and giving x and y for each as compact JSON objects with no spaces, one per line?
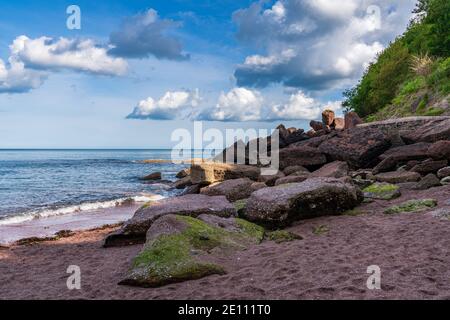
{"x":38,"y":184}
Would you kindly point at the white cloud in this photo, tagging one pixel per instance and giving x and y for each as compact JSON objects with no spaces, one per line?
{"x":71,"y":54}
{"x":15,"y":78}
{"x":239,"y":104}
{"x":316,"y":44}
{"x":168,"y":107}
{"x":299,"y":106}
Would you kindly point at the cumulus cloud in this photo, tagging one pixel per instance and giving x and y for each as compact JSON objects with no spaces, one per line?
{"x":241,"y":104}
{"x":315,"y":44}
{"x":169,"y":107}
{"x":72,"y":54}
{"x":146,"y":34}
{"x":15,"y":78}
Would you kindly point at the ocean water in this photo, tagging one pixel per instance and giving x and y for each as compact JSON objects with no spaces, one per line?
{"x":41,"y":183}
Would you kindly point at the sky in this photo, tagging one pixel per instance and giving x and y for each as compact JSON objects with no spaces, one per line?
{"x":135,"y":71}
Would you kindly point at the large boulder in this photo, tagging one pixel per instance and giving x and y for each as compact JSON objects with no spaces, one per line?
{"x":338,"y":124}
{"x":301,"y":156}
{"x":316,"y":125}
{"x":392,"y":158}
{"x":233,"y":190}
{"x":359,"y":147}
{"x":429,"y":166}
{"x":427,"y":182}
{"x":181,"y":248}
{"x":336,"y":169}
{"x":133,"y":231}
{"x":209,"y":172}
{"x":279,"y":206}
{"x":398,"y":177}
{"x":432,"y":131}
{"x":352,"y":120}
{"x":440,"y":150}
{"x":328,"y":117}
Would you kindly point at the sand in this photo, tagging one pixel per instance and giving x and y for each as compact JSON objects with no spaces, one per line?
{"x":412,"y":250}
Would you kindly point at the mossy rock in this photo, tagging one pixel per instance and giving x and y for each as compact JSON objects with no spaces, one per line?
{"x":281,"y":236}
{"x":181,"y":248}
{"x":320,"y":230}
{"x":412,"y":206}
{"x":240,"y":206}
{"x":382,"y":191}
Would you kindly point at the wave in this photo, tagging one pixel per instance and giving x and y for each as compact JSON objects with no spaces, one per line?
{"x":87,"y":206}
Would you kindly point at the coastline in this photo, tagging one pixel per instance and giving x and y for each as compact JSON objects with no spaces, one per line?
{"x":410,"y":248}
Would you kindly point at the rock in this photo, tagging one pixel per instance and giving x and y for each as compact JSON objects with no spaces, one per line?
{"x":412,"y":206}
{"x":193,"y":189}
{"x":417,"y":151}
{"x":257,"y":186}
{"x":314,"y":142}
{"x":362,"y":183}
{"x":328,"y":117}
{"x":427,"y":182}
{"x":352,"y":120}
{"x":382,"y":191}
{"x":210,"y":172}
{"x":295,"y":136}
{"x":301,"y":156}
{"x":180,"y":248}
{"x":311,"y":133}
{"x":398,"y":177}
{"x":233,"y":154}
{"x":182,"y":183}
{"x":270,"y":180}
{"x":441,"y":213}
{"x":429,"y":166}
{"x":152,"y":176}
{"x":293,"y":169}
{"x":359,"y":147}
{"x":387,"y":164}
{"x":279,"y":206}
{"x":444,"y":172}
{"x":316,"y":126}
{"x":291,"y":179}
{"x":183,"y":173}
{"x":338,"y":124}
{"x":430,"y":132}
{"x":336,"y":169}
{"x":445,"y":181}
{"x":133,"y":231}
{"x":440,"y":150}
{"x":281,"y":236}
{"x":233,"y":190}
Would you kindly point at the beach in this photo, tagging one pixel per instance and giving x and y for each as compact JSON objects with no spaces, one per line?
{"x":411,"y":250}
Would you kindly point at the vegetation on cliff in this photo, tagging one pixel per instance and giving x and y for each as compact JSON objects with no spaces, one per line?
{"x":412,"y":75}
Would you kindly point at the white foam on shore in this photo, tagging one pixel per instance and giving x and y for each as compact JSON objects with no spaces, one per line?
{"x":88,"y":206}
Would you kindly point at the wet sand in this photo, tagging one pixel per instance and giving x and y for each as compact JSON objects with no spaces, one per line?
{"x":412,"y":250}
{"x":46,"y":227}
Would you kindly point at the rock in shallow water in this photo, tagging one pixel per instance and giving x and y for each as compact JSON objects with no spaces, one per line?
{"x":279,"y":206}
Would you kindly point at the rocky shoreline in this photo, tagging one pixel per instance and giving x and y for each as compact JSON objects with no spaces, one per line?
{"x":330,"y":170}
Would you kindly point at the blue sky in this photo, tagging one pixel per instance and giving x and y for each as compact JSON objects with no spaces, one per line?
{"x":137,"y":70}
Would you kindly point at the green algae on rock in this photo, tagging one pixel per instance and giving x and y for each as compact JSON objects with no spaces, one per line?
{"x":412,"y":206}
{"x":382,"y":191}
{"x":181,"y":248}
{"x":281,"y":236}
